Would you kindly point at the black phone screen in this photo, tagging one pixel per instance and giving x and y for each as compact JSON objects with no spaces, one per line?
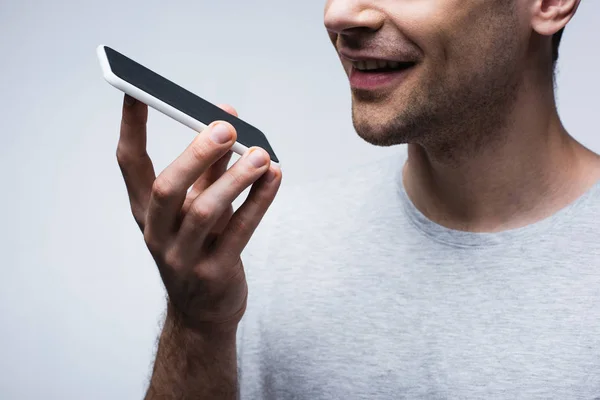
{"x":183,"y":100}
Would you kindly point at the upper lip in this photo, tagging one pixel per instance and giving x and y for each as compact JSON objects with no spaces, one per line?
{"x":366,"y":56}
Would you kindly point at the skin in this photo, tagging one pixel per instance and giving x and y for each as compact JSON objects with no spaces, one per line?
{"x":487,"y":150}
{"x":196,"y":239}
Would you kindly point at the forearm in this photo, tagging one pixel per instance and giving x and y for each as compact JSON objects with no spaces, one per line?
{"x":193,"y":366}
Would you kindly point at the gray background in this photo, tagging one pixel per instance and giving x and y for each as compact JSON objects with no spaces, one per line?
{"x":80,"y":301}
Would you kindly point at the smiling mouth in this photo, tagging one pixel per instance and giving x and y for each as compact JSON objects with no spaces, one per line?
{"x":380,"y":66}
{"x":379,"y":75}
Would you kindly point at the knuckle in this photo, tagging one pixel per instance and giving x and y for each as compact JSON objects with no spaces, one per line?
{"x":239,"y":225}
{"x":126,"y":157}
{"x":162,"y":189}
{"x":201,"y":212}
{"x":238,"y":175}
{"x":123,"y":156}
{"x":261,"y":199}
{"x":200,"y":150}
{"x":206,"y":273}
{"x":174,"y":260}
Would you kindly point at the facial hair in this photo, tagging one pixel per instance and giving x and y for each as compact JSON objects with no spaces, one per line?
{"x":465,"y":110}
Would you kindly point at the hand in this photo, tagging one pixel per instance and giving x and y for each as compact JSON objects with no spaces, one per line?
{"x":193,"y":234}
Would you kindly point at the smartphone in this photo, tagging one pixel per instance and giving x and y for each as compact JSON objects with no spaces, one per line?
{"x":173,"y":100}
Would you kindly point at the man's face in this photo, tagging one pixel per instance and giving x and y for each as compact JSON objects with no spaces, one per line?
{"x":422,"y":70}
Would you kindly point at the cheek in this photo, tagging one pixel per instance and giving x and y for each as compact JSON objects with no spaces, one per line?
{"x":444,"y":30}
{"x":428,"y":24}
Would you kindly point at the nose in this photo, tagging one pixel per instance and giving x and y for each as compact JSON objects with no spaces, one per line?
{"x":346,"y":16}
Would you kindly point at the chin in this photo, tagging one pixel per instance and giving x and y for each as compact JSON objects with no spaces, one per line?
{"x":380,"y":127}
{"x":380,"y":135}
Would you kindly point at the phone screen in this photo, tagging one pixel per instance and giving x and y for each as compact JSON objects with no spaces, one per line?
{"x":183,"y":100}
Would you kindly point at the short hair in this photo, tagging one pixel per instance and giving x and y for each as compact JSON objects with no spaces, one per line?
{"x":555,"y":44}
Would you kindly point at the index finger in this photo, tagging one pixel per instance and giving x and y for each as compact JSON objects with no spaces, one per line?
{"x":134,"y":161}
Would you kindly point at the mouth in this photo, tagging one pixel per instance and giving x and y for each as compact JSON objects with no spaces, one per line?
{"x":380,"y":66}
{"x":378,"y":75}
{"x":371,"y":73}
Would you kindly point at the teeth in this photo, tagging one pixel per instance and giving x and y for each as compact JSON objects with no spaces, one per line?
{"x":375,"y":64}
{"x":372,"y":64}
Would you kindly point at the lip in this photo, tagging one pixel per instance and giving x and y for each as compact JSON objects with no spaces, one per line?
{"x":377,"y":80}
{"x":371,"y":81}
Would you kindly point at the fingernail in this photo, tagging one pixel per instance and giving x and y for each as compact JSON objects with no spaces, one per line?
{"x":270,"y":175}
{"x":220,"y":134}
{"x":129,"y":101}
{"x":257,"y":158}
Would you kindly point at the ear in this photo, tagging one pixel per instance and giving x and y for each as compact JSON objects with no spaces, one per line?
{"x":550,"y":16}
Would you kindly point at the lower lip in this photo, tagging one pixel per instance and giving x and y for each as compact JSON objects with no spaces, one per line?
{"x":377,"y":80}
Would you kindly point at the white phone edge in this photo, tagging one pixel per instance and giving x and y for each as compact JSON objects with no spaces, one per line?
{"x":156,"y":103}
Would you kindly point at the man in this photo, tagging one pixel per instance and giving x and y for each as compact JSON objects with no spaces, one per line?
{"x":468,"y":270}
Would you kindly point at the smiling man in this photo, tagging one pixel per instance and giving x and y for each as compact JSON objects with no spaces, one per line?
{"x":468,"y":268}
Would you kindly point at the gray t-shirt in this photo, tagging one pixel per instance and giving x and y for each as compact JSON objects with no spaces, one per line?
{"x":354,"y":294}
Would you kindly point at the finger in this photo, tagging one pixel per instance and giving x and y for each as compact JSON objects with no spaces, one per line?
{"x":229,"y":109}
{"x":246,"y":219}
{"x":170,"y":187}
{"x":216,"y":199}
{"x":134,"y":162}
{"x":207,"y":179}
{"x":215,"y":171}
{"x":222,"y":222}
{"x":218,"y":228}
{"x":212,"y":174}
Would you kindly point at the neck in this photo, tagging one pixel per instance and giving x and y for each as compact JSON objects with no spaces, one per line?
{"x":534,"y":170}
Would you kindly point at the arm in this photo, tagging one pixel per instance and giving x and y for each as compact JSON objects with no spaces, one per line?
{"x":193,"y":366}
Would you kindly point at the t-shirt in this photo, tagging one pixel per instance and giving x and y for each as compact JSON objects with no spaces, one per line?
{"x":355,"y":294}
